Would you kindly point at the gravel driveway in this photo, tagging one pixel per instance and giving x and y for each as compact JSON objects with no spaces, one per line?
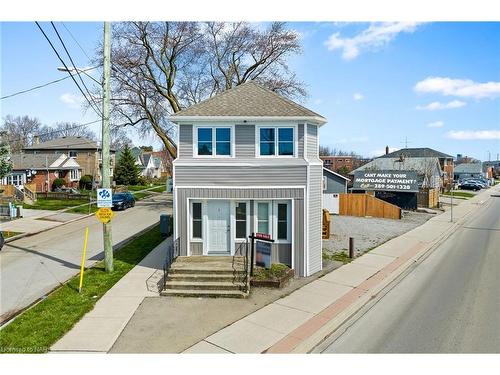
{"x":369,"y":232}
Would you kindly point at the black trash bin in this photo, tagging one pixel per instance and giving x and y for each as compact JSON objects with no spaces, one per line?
{"x":165,"y":224}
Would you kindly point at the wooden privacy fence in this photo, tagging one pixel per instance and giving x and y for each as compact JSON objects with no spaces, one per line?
{"x":8,"y":190}
{"x":366,"y":205}
{"x":428,"y":198}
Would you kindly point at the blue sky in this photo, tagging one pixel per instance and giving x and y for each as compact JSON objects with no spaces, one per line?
{"x":436,"y":84}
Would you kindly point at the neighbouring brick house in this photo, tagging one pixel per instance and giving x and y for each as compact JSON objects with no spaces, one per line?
{"x":343,"y":164}
{"x":85,"y":152}
{"x":42,"y":170}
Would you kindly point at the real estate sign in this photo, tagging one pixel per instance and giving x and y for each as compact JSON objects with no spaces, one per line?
{"x":263,"y":254}
{"x":388,"y":180}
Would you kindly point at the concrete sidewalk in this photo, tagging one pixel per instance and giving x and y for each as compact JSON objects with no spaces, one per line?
{"x":300,"y":321}
{"x":36,"y":221}
{"x":98,"y":330}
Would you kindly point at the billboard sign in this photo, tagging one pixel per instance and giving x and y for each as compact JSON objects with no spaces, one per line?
{"x":388,"y":180}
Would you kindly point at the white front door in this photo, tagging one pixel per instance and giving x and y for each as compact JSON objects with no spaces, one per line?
{"x":218,"y":227}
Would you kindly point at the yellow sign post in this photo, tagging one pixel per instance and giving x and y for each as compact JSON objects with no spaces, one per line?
{"x":104,"y":214}
{"x":83,"y":258}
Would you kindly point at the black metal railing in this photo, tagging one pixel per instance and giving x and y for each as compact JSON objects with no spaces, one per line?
{"x":242,"y":251}
{"x":172,"y":254}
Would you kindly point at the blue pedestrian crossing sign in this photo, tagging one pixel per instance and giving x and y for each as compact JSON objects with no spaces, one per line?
{"x":104,"y":198}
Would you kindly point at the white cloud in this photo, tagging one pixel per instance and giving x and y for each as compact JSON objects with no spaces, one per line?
{"x":436,"y":124}
{"x":72,"y":100}
{"x":376,"y":35}
{"x":434,"y":106}
{"x":464,"y":88}
{"x":357,"y":96}
{"x":381,"y":151}
{"x":466,"y":135}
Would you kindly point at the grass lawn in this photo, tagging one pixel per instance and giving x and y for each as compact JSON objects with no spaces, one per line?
{"x":84,"y":209}
{"x":38,"y":328}
{"x":340,"y":256}
{"x":8,"y":234}
{"x":462,"y":194}
{"x":54,"y":204}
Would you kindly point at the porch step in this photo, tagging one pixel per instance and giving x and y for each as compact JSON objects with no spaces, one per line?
{"x":204,"y":285}
{"x":206,"y":276}
{"x":204,"y":293}
{"x":203,"y":277}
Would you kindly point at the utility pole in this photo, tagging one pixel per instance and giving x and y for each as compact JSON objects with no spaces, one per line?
{"x":106,"y":183}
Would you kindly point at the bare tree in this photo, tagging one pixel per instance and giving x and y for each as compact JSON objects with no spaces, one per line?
{"x":159,"y":68}
{"x":120,"y":139}
{"x":65,"y":129}
{"x":20,"y":130}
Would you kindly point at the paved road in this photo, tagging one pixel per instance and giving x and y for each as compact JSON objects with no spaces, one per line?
{"x":32,"y":266}
{"x":448,"y":304}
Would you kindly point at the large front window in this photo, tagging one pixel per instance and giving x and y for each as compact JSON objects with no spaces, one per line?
{"x":214,"y":141}
{"x":263,"y":218}
{"x":278,"y":141}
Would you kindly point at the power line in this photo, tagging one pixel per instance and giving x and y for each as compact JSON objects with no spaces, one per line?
{"x":74,"y":67}
{"x":52,"y":131}
{"x":76,"y":41}
{"x":34,"y":88}
{"x":66,"y":67}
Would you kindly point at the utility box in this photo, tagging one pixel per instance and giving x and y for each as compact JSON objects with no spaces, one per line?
{"x":165,"y":225}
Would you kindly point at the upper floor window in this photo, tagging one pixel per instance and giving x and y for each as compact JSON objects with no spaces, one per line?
{"x":278,"y":141}
{"x":73,"y":154}
{"x":214,"y":141}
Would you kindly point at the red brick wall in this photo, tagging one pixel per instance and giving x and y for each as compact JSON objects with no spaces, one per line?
{"x":40,"y":179}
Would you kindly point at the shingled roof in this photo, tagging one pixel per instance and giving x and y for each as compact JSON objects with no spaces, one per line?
{"x":421,"y":152}
{"x":65,"y":143}
{"x":249,"y":100}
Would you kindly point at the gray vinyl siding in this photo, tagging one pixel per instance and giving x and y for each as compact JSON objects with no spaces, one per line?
{"x":196,"y":248}
{"x":334,"y":184}
{"x":312,"y":142}
{"x":300,"y":139}
{"x":315,"y":218}
{"x":244,"y":139}
{"x":186,"y":141}
{"x":280,"y":252}
{"x":240,"y":175}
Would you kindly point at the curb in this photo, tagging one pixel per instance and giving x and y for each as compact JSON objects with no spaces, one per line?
{"x":22,"y":235}
{"x":313,"y":344}
{"x":116,"y":247}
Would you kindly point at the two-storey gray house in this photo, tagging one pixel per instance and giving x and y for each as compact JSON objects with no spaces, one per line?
{"x":248,"y":162}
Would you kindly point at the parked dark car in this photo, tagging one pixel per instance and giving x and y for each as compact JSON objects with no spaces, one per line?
{"x":122,"y":201}
{"x":469,"y":186}
{"x":2,"y":240}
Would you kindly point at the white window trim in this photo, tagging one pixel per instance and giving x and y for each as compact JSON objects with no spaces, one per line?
{"x":289,"y":221}
{"x":77,"y":178}
{"x":214,"y":141}
{"x":247,"y":231}
{"x":276,"y":141}
{"x":325,"y":183}
{"x":191,"y":238}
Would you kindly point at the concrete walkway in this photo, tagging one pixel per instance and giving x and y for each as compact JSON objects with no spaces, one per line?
{"x":295,"y":323}
{"x":98,"y":330}
{"x":300,"y":321}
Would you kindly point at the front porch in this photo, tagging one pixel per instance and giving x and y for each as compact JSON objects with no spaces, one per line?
{"x":208,"y":276}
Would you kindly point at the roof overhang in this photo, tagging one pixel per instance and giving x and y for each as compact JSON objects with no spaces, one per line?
{"x":335,"y":173}
{"x":244,"y":119}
